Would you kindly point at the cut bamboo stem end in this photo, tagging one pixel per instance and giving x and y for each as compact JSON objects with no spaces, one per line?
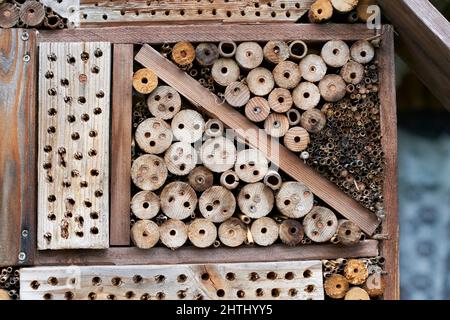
{"x":276,"y":125}
{"x":344,"y":6}
{"x":145,"y":234}
{"x":225,"y":71}
{"x":332,"y":88}
{"x":306,"y":96}
{"x":348,"y":233}
{"x":287,"y":74}
{"x":320,"y":224}
{"x":294,"y":200}
{"x":227,"y":49}
{"x":206,"y":54}
{"x":257,"y":109}
{"x":202,"y":233}
{"x":149,"y":172}
{"x":145,"y":81}
{"x":244,"y":218}
{"x":178,"y":200}
{"x":335,"y":53}
{"x":218,"y":154}
{"x":183,"y":53}
{"x":260,"y":81}
{"x":256,"y":200}
{"x":280,"y":100}
{"x":9,"y":15}
{"x":32,"y":13}
{"x":294,"y":117}
{"x":164,"y":102}
{"x":173,"y":233}
{"x":188,"y":126}
{"x":217,"y":204}
{"x":232,"y":232}
{"x":200,"y":179}
{"x":264,"y":231}
{"x":320,"y":11}
{"x":249,"y":55}
{"x":180,"y":158}
{"x":296,"y":139}
{"x":145,"y":205}
{"x":154,"y":135}
{"x":251,"y":165}
{"x":313,"y":68}
{"x":273,"y":180}
{"x":214,"y":128}
{"x":313,"y":120}
{"x":362,"y":51}
{"x":291,"y":232}
{"x":229,"y":179}
{"x":336,"y":286}
{"x":276,"y":51}
{"x":298,"y":49}
{"x":237,"y":94}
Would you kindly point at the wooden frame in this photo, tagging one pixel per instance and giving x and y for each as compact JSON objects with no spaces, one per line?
{"x":157,"y":34}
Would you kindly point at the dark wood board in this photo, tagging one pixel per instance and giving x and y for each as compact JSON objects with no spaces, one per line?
{"x":18,"y":146}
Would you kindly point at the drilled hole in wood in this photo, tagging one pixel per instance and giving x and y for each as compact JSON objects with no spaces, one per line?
{"x":100,"y":94}
{"x":205,"y":276}
{"x":145,"y":296}
{"x":220,"y":293}
{"x":310,"y":288}
{"x":71,"y":60}
{"x":95,"y":69}
{"x":259,"y":292}
{"x":111,"y":297}
{"x":230,"y":276}
{"x":51,"y":57}
{"x":81,"y":100}
{"x":68,"y":295}
{"x":94,"y":215}
{"x":47,"y":166}
{"x":116,"y":281}
{"x":253,"y":276}
{"x":68,"y":99}
{"x":92,"y":133}
{"x":64,"y":82}
{"x":271,"y":275}
{"x":240,"y":294}
{"x":97,"y":111}
{"x":51,"y":92}
{"x":83,"y":184}
{"x":79,"y":234}
{"x":85,"y":117}
{"x":160,"y":296}
{"x":51,"y":198}
{"x":47,"y":296}
{"x":181,"y":278}
{"x":275,"y":292}
{"x":289,"y":276}
{"x":293,"y":292}
{"x":75,"y":136}
{"x":98,"y":193}
{"x":94,"y":230}
{"x":51,"y":217}
{"x":137,"y":278}
{"x":68,"y":214}
{"x":92,"y":153}
{"x":129,"y":294}
{"x":78,"y":155}
{"x":53,"y":281}
{"x":34,"y":284}
{"x":92,"y":296}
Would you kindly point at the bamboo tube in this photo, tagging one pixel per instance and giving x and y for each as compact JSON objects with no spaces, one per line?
{"x":294,"y":200}
{"x":280,"y":100}
{"x":344,"y":6}
{"x":356,"y":272}
{"x":145,"y":205}
{"x":375,"y":285}
{"x":353,"y":72}
{"x":362,"y":52}
{"x":273,"y":180}
{"x":357,"y":293}
{"x":245,"y":219}
{"x":200,"y":178}
{"x":276,"y":51}
{"x":332,"y":88}
{"x":348,"y":233}
{"x":313,"y":68}
{"x":249,"y":55}
{"x":32,"y":13}
{"x":291,"y":232}
{"x":214,"y":128}
{"x":229,"y":179}
{"x":237,"y":94}
{"x":202,"y":233}
{"x":264,"y":231}
{"x":145,"y":234}
{"x":52,"y":21}
{"x":293,"y":116}
{"x":181,"y":158}
{"x":178,"y":200}
{"x":188,"y":126}
{"x":227,"y":49}
{"x":225,"y":71}
{"x":260,"y":81}
{"x":145,"y":81}
{"x":335,"y":53}
{"x":276,"y":125}
{"x":218,"y":154}
{"x":296,"y":139}
{"x":9,"y":15}
{"x":306,"y":96}
{"x":320,"y":224}
{"x":232,"y":232}
{"x":287,"y":74}
{"x":257,"y":109}
{"x":206,"y":54}
{"x":164,"y":102}
{"x":251,"y":165}
{"x":255,"y":200}
{"x":298,"y":50}
{"x":148,"y":172}
{"x":154,"y":135}
{"x":320,"y":11}
{"x":173,"y":233}
{"x":336,"y":286}
{"x":313,"y":120}
{"x":217,"y":204}
{"x":183,"y":53}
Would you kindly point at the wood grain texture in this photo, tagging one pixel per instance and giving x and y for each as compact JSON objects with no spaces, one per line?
{"x":160,"y":255}
{"x":104,"y":13}
{"x":73,"y":154}
{"x":18,"y":146}
{"x":210,"y":33}
{"x":268,"y":281}
{"x":253,"y":136}
{"x":389,"y":248}
{"x":426,"y":34}
{"x":121,"y":110}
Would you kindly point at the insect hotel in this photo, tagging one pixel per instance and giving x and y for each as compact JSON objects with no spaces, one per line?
{"x":197,"y":150}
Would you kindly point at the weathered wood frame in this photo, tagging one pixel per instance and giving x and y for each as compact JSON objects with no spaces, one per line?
{"x":124,"y":36}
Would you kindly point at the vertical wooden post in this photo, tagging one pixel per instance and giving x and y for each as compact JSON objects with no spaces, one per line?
{"x":389,"y":248}
{"x":121,"y":143}
{"x":18,"y":152}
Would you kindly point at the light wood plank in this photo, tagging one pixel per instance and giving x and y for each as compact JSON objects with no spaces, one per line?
{"x":73,"y":198}
{"x":18,"y":145}
{"x":294,"y":280}
{"x":253,"y":136}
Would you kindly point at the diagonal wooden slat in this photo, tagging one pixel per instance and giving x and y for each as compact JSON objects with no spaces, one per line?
{"x":251,"y":134}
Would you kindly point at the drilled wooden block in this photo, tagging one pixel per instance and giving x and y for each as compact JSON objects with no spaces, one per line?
{"x":293,"y":280}
{"x":73,"y":156}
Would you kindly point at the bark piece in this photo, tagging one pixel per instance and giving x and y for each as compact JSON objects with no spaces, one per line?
{"x":149,"y":172}
{"x":256,"y":200}
{"x":178,"y":200}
